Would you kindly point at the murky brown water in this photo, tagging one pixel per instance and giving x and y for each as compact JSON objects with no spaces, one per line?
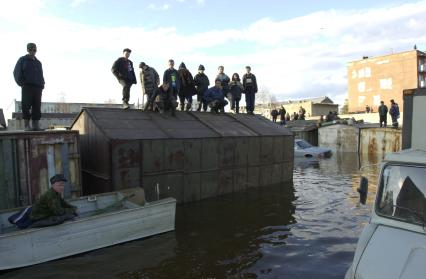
{"x":307,"y":229}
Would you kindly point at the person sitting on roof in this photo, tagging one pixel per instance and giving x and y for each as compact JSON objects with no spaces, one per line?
{"x":215,"y":98}
{"x":164,"y":100}
{"x":51,"y":209}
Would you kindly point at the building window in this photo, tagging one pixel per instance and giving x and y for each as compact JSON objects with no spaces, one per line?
{"x":386,"y":83}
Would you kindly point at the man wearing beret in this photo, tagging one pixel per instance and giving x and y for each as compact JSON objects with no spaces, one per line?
{"x":124,"y":72}
{"x":28,"y":74}
{"x":51,"y":209}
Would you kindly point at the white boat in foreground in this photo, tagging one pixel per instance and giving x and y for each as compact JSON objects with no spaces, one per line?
{"x":104,"y":220}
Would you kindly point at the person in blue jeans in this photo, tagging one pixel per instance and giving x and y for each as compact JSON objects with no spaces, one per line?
{"x":215,"y":98}
{"x":250,"y":89}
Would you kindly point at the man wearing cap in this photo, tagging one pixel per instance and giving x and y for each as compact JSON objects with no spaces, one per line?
{"x":124,"y":72}
{"x":201,"y":82}
{"x":250,"y":89}
{"x":150,"y":81}
{"x":51,"y":208}
{"x":28,"y":74}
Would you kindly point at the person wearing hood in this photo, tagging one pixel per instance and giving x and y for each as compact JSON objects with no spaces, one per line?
{"x":123,"y":70}
{"x":235,"y":90}
{"x":150,"y":81}
{"x":201,"y":82}
{"x":187,"y":88}
{"x":28,"y":74}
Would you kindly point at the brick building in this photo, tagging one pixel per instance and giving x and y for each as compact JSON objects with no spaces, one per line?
{"x":383,"y":78}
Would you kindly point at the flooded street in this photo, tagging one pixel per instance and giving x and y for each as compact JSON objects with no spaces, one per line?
{"x":307,"y":229}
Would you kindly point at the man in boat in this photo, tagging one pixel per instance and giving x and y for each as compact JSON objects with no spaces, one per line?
{"x":51,"y":209}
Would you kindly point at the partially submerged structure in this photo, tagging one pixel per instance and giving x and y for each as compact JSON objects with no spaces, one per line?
{"x":189,"y":157}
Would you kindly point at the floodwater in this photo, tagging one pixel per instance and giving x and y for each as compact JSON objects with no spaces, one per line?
{"x":307,"y":229}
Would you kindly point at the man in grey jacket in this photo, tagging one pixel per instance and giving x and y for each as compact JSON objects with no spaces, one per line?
{"x":28,"y":74}
{"x":150,"y":81}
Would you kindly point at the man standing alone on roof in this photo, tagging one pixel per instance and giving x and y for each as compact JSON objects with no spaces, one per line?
{"x":250,"y":89}
{"x":28,"y":74}
{"x":123,"y":70}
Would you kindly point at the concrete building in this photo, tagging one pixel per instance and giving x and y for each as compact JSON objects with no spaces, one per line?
{"x":55,"y":115}
{"x":313,"y":106}
{"x":383,"y":78}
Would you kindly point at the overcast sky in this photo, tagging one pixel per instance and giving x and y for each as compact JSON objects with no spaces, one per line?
{"x":297,"y":49}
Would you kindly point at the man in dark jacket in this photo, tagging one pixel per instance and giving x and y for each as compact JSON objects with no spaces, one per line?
{"x":171,"y":77}
{"x":150,"y":82}
{"x":250,"y":89}
{"x":224,"y":80}
{"x":282,"y":113}
{"x":28,"y":74}
{"x":394,"y":112}
{"x":51,"y":208}
{"x":187,"y":87}
{"x":383,"y":114}
{"x":201,"y":82}
{"x":163,"y":99}
{"x":215,"y":98}
{"x":124,"y":72}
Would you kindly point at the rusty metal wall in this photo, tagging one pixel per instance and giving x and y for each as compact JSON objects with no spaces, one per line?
{"x":29,"y":159}
{"x":376,"y":142}
{"x":192,"y":156}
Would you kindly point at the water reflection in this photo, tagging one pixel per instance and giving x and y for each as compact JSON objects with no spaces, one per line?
{"x":307,"y":229}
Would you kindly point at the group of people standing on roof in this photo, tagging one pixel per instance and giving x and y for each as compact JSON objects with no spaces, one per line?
{"x":180,"y":84}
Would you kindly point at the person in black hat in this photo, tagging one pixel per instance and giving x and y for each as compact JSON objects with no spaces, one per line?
{"x":124,"y":72}
{"x":51,"y":209}
{"x":201,"y":82}
{"x":28,"y":74}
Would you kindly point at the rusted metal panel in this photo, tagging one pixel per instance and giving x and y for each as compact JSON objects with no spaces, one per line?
{"x":227,"y":153}
{"x":376,"y":142}
{"x":33,"y":157}
{"x":192,"y":155}
{"x":153,"y":156}
{"x":126,"y":164}
{"x":174,"y":154}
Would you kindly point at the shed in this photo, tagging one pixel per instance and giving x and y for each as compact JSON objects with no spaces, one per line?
{"x":191,"y":156}
{"x":29,"y":159}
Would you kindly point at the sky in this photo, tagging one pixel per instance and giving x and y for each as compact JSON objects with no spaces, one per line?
{"x":296,"y":49}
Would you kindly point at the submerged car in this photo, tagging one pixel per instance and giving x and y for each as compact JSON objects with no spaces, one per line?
{"x":303,"y":148}
{"x":393,"y":243}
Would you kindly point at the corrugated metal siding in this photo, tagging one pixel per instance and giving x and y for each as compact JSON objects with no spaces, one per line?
{"x":191,"y":156}
{"x":29,"y":159}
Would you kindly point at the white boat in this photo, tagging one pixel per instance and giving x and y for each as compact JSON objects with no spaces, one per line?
{"x":104,"y":220}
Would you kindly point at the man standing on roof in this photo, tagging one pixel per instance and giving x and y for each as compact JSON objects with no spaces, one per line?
{"x":124,"y":72}
{"x":170,"y":76}
{"x":250,"y":89}
{"x":383,"y":114}
{"x":150,"y":81}
{"x":201,"y":82}
{"x":28,"y":74}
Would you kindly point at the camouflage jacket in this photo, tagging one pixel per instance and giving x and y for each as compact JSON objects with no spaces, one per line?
{"x":50,"y":204}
